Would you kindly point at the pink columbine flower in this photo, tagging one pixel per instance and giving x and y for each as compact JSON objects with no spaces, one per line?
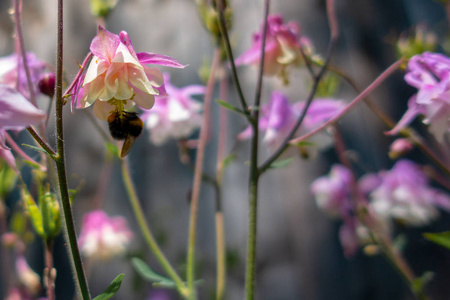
{"x":332,"y":192}
{"x":12,"y":72}
{"x":430,"y":74}
{"x":15,"y":113}
{"x":175,"y":115}
{"x":278,"y":118}
{"x":103,"y":237}
{"x":283,"y":42}
{"x":404,"y":194}
{"x":117,"y":77}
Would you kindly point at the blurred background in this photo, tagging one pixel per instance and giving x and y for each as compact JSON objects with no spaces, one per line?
{"x":299,"y":254}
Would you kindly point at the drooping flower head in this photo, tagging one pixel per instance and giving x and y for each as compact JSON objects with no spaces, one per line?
{"x":117,"y":77}
{"x":278,"y":118}
{"x":404,"y":194}
{"x":175,"y":115}
{"x":103,"y":237}
{"x":12,"y":72}
{"x":430,"y":74}
{"x":283,"y":42}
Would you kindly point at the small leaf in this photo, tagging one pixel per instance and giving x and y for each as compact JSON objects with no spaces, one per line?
{"x":230,"y":107}
{"x":144,"y":270}
{"x":419,"y":283}
{"x":112,"y":289}
{"x":442,"y":238}
{"x":113,"y":149}
{"x":36,"y":148}
{"x":281,"y":163}
{"x":305,"y":144}
{"x":229,"y":159}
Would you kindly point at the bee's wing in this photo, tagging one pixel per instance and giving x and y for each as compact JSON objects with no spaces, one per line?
{"x":129,"y":141}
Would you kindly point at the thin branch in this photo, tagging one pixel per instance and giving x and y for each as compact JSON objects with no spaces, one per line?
{"x":226,"y":40}
{"x":355,"y":101}
{"x":334,"y":35}
{"x":198,"y":175}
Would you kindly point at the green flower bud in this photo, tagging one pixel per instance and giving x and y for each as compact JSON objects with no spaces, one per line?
{"x":416,"y":43}
{"x":102,"y":8}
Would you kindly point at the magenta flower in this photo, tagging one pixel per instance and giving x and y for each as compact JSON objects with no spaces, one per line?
{"x":13,"y":75}
{"x":117,"y":77}
{"x":283,"y":42}
{"x":403,"y":193}
{"x":332,"y":192}
{"x":278,"y":118}
{"x":175,"y":115}
{"x":430,"y":74}
{"x":103,"y":237}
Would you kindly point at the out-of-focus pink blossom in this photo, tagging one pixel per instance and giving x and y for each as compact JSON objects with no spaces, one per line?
{"x":400,"y":147}
{"x":12,"y":72}
{"x":430,"y":74}
{"x":278,"y":118}
{"x":176,"y":115}
{"x":15,"y":113}
{"x":283,"y":42}
{"x":404,"y":194}
{"x":117,"y":77}
{"x":103,"y":237}
{"x":332,"y":192}
{"x":159,"y":294}
{"x":27,"y":277}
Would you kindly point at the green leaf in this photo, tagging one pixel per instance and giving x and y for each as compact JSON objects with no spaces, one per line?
{"x":36,"y":148}
{"x":113,"y":149}
{"x":230,"y":107}
{"x":228,"y":160}
{"x":281,"y":163}
{"x":148,"y":274}
{"x":442,"y":238}
{"x":112,"y":289}
{"x":305,"y":144}
{"x":419,"y":283}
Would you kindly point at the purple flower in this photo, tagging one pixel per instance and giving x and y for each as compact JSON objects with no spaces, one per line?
{"x":15,"y":113}
{"x":13,"y":74}
{"x":403,"y":193}
{"x":332,"y":192}
{"x":175,"y":115}
{"x":117,"y":76}
{"x":278,"y":118}
{"x":430,"y":74}
{"x":283,"y":42}
{"x":103,"y":237}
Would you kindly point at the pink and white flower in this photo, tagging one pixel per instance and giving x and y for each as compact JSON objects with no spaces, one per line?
{"x":283,"y":42}
{"x":430,"y":74}
{"x":117,"y":76}
{"x":175,"y":115}
{"x":103,"y":237}
{"x":404,"y":194}
{"x":12,"y":72}
{"x":15,"y":114}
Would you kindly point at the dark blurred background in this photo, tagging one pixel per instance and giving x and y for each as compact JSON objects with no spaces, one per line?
{"x":299,"y":254}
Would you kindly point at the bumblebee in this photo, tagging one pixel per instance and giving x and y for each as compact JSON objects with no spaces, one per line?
{"x":125,"y":126}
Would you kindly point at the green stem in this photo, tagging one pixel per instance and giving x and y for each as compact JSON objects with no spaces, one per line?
{"x":61,"y":166}
{"x":148,"y":236}
{"x":224,"y":33}
{"x":250,"y":270}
